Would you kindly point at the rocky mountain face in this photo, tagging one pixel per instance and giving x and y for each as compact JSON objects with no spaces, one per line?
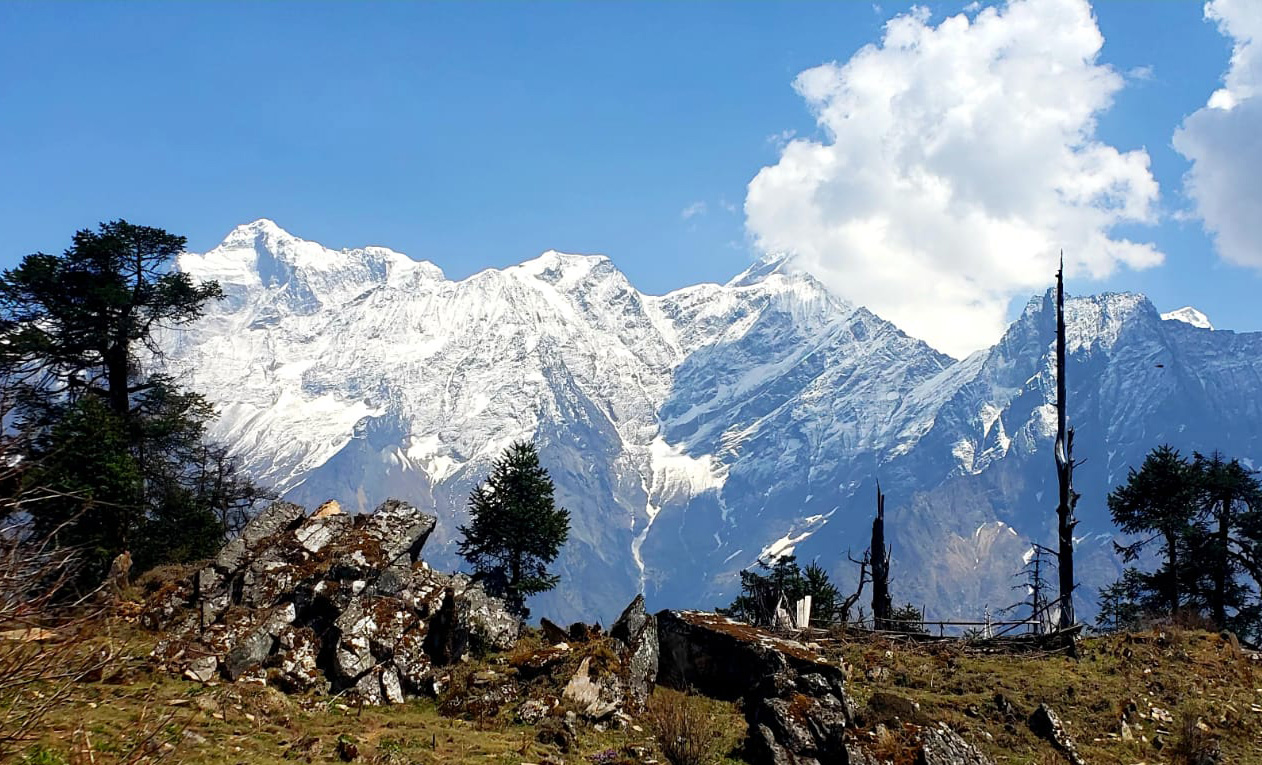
{"x":692,"y":433}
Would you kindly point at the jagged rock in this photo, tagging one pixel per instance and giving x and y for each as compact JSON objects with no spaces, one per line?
{"x":299,"y":670}
{"x":552,"y":633}
{"x":391,"y":688}
{"x":632,"y":619}
{"x":1046,"y":724}
{"x":594,"y":695}
{"x":248,"y":653}
{"x":330,"y":602}
{"x":277,"y":517}
{"x":489,"y":624}
{"x":637,"y":630}
{"x":795,"y":701}
{"x":580,"y":632}
{"x":328,"y":509}
{"x":939,"y":745}
{"x":400,"y":531}
{"x":319,"y":531}
{"x":532,"y":711}
{"x":202,"y":669}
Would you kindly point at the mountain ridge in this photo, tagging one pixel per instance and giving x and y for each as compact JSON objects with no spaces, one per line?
{"x":689,"y":433}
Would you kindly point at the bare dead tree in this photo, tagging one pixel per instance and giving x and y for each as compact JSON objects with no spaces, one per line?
{"x":1064,"y":453}
{"x":882,"y":605}
{"x":864,"y":578}
{"x":1034,"y":583}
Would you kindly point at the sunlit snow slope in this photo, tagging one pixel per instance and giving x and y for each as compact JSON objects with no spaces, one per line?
{"x":693,"y":432}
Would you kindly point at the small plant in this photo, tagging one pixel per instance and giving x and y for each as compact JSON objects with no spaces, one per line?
{"x":686,"y":730}
{"x":1193,"y":744}
{"x":42,"y":755}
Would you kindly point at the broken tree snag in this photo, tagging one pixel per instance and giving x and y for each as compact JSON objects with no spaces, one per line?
{"x":882,"y":606}
{"x":850,"y":600}
{"x":1064,"y":467}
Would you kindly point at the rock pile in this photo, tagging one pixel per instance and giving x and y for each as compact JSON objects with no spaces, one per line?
{"x":330,"y":602}
{"x":795,"y":701}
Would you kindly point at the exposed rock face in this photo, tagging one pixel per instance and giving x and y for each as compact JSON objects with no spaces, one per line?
{"x":795,"y":700}
{"x":1046,"y":723}
{"x":329,"y":602}
{"x":636,"y":629}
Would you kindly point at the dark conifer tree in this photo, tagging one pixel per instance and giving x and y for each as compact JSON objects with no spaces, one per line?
{"x":515,"y":530}
{"x":80,"y":337}
{"x":1160,"y":500}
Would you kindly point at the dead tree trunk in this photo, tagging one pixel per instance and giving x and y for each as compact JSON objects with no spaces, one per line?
{"x":850,"y":600}
{"x":882,"y":606}
{"x":1064,"y":468}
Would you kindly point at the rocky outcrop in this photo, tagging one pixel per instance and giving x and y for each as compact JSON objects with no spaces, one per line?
{"x":1046,"y":724}
{"x":330,"y":602}
{"x":795,"y":701}
{"x":636,"y":629}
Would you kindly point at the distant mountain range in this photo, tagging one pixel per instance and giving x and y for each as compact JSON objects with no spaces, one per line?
{"x":693,"y":433}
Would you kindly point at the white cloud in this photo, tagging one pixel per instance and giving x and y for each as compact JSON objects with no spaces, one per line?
{"x":1140,"y":73}
{"x":958,"y":159}
{"x":1223,"y":140}
{"x":693,"y":210}
{"x":781,"y":139}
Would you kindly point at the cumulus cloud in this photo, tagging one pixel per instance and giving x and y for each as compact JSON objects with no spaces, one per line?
{"x":693,"y":210}
{"x":956,"y":161}
{"x":1223,"y":140}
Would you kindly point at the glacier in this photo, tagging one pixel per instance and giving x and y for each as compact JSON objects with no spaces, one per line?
{"x":693,"y":432}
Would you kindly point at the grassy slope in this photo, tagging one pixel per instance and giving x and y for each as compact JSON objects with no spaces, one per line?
{"x":1193,"y":675}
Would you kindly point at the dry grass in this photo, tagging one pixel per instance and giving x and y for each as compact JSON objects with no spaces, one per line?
{"x":232,"y":723}
{"x":1147,"y":679}
{"x":690,"y":729}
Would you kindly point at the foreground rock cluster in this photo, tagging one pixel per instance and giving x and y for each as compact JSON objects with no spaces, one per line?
{"x":795,"y":701}
{"x":331,"y":603}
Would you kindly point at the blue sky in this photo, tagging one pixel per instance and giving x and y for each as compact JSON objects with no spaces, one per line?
{"x":480,"y":134}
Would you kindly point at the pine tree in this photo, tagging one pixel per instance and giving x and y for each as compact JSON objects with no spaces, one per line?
{"x":1160,"y":499}
{"x":79,"y":337}
{"x":1228,"y":539}
{"x":1119,"y":603}
{"x":515,"y":530}
{"x":825,"y":598}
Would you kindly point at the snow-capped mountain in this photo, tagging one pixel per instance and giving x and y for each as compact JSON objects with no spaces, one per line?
{"x":1189,"y":315}
{"x":693,"y":432}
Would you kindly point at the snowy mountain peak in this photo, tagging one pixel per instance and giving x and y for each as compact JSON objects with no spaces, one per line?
{"x":779,"y":263}
{"x":556,"y":267}
{"x":1189,"y":315}
{"x":688,"y":431}
{"x":261,"y":253}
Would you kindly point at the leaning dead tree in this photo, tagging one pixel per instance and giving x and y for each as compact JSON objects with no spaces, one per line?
{"x":1064,"y":468}
{"x":849,"y":601}
{"x":882,"y":606}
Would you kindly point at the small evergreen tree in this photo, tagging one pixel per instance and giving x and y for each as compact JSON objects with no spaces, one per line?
{"x":825,"y":599}
{"x":1119,"y":603}
{"x":762,"y":593}
{"x":515,"y":530}
{"x":908,"y":619}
